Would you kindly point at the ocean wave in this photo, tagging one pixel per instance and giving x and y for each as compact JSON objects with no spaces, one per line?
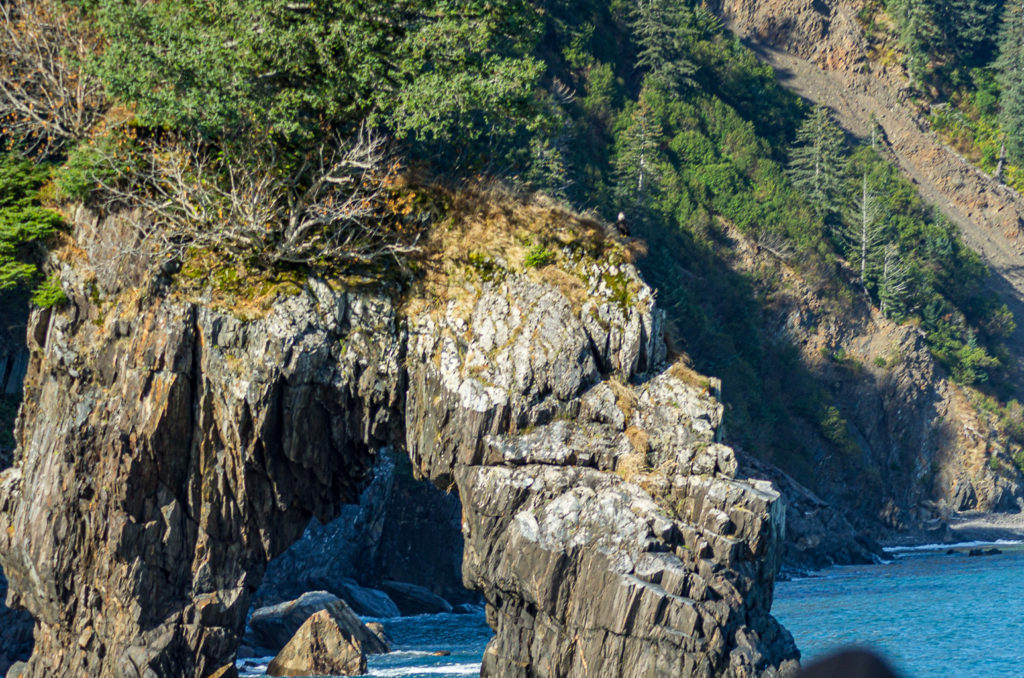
{"x":466,"y":669}
{"x":958,"y":545}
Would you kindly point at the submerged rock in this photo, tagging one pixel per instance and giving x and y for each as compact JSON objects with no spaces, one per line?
{"x":366,"y":601}
{"x":412,"y":599}
{"x":377,"y":629}
{"x":272,"y":627}
{"x":320,"y":648}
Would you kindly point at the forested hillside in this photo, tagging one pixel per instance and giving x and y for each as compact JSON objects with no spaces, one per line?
{"x":965,"y":64}
{"x":261,"y":138}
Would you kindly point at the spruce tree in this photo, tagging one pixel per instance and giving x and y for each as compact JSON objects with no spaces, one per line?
{"x":968,"y":28}
{"x":817,"y":162}
{"x":1010,"y":70}
{"x":919,"y":33}
{"x":665,"y":31}
{"x":636,"y":167}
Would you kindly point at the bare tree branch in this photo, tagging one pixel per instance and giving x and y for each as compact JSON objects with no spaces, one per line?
{"x":46,"y":97}
{"x":333,"y":207}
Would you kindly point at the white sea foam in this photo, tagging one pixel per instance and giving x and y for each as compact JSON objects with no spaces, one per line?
{"x":958,"y":545}
{"x":467,"y":669}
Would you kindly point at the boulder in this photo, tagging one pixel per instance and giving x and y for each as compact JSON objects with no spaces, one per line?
{"x":320,"y":648}
{"x":412,"y":599}
{"x":378,"y":630}
{"x":367,"y":602}
{"x":273,"y":627}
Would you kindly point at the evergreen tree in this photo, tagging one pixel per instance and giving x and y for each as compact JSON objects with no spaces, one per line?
{"x":817,"y":162}
{"x":664,"y":31}
{"x":919,"y":33}
{"x":968,"y":28}
{"x":636,"y":167}
{"x":1010,"y":69}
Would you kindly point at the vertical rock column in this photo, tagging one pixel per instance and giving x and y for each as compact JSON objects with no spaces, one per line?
{"x":603,"y":522}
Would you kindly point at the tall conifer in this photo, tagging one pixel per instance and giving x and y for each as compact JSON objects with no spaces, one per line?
{"x":817,"y":162}
{"x":1010,"y":70}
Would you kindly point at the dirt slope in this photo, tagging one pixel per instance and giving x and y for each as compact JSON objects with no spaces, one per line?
{"x":817,"y":51}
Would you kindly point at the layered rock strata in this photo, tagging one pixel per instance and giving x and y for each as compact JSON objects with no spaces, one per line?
{"x":168,"y":448}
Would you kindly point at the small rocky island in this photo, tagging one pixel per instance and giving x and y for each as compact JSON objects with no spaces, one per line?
{"x":169,"y":447}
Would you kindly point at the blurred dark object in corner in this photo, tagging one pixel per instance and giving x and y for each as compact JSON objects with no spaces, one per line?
{"x":848,"y":664}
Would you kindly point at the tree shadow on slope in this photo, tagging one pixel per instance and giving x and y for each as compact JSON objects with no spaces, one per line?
{"x":818,"y":423}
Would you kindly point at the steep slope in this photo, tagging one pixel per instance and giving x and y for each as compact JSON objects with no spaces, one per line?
{"x":918,"y":448}
{"x":818,"y":50}
{"x":173,"y":441}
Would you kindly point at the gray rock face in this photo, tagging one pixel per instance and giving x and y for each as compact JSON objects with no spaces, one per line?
{"x":168,"y":449}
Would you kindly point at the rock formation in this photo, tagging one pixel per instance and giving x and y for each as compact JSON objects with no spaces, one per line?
{"x":402,"y":529}
{"x":171,"y":443}
{"x":272,"y":627}
{"x":319,"y":648}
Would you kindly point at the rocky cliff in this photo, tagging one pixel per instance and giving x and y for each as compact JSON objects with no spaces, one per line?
{"x":174,"y":439}
{"x":923,"y":446}
{"x":920,"y":447}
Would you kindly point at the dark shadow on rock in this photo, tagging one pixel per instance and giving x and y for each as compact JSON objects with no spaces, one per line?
{"x":397,"y":551}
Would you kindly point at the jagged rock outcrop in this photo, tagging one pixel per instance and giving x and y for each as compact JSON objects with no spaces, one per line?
{"x":272,"y":627}
{"x":169,"y":447}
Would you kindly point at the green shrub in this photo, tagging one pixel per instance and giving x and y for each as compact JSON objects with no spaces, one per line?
{"x":25,"y":225}
{"x":49,"y":293}
{"x":538,"y":256}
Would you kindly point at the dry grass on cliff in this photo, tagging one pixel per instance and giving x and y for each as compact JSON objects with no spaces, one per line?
{"x":631,"y":467}
{"x":682,"y":370}
{"x":625,"y":398}
{"x":490,"y":232}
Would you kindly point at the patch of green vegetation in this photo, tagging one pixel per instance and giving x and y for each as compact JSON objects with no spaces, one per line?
{"x":538,"y":256}
{"x":618,"y":285}
{"x":25,"y":225}
{"x":836,"y":430}
{"x":49,"y":293}
{"x":485,"y":266}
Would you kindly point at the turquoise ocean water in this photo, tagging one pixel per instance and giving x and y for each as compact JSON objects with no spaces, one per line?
{"x":928,"y":613}
{"x":415,"y":640}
